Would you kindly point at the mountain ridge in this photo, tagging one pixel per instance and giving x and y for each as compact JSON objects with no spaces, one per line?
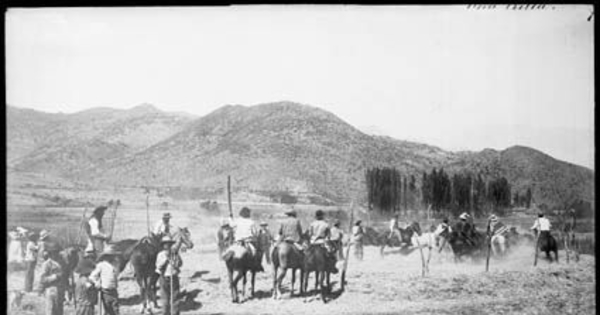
{"x":278,"y":146}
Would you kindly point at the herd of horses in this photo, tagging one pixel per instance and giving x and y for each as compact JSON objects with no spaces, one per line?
{"x":240,"y":262}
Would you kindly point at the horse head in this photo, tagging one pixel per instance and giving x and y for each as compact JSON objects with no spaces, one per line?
{"x":184,"y":237}
{"x":415,"y":228}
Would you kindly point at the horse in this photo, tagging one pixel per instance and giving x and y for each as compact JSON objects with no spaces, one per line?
{"x":69,"y":258}
{"x":143,"y":259}
{"x":547,"y":243}
{"x":319,"y":260}
{"x":405,"y":236}
{"x":466,"y":245}
{"x":286,"y":256}
{"x":239,"y":258}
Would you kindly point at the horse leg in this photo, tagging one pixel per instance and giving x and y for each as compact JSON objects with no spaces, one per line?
{"x":293,"y":282}
{"x":252,"y":290}
{"x":244,"y":285}
{"x":140,"y":283}
{"x":321,"y":286}
{"x":235,"y":283}
{"x":232,"y":286}
{"x":274,"y":293}
{"x":279,"y":281}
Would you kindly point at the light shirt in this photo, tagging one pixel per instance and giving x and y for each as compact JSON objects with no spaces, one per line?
{"x":161,"y":228}
{"x":243,"y":228}
{"x":31,"y":251}
{"x":105,"y":276}
{"x":541,"y":224}
{"x":172,"y":268}
{"x":318,"y":231}
{"x":336,"y":234}
{"x":393,"y":225}
{"x":357,"y":233}
{"x":95,"y":228}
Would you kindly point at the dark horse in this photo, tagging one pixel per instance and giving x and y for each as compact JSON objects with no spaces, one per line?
{"x":142,"y":256}
{"x":405,"y":237}
{"x":286,"y":256}
{"x":547,"y":243}
{"x":317,"y":259}
{"x":471,"y":243}
{"x":239,"y":258}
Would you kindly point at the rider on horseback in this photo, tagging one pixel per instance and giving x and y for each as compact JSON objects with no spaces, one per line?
{"x":319,"y":234}
{"x":465,"y":228}
{"x":245,"y":232}
{"x":291,"y":230}
{"x":542,"y":225}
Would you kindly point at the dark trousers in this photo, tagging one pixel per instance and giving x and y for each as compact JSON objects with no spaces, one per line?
{"x":165,"y":295}
{"x":110,"y":302}
{"x":29,"y":275}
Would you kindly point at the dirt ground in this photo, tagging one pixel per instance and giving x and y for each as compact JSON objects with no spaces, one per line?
{"x":389,"y":284}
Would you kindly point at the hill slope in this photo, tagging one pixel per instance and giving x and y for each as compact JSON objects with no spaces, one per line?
{"x":273,"y":147}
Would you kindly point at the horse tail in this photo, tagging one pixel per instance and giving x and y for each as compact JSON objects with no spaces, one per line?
{"x":275,"y":256}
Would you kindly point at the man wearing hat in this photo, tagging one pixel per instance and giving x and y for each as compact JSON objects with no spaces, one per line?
{"x":31,"y":254}
{"x":85,"y":294}
{"x":318,"y":231}
{"x":265,"y":239}
{"x":357,"y":239}
{"x":105,"y":279}
{"x":291,"y":229}
{"x":168,"y":266}
{"x":164,"y":227}
{"x":51,"y":283}
{"x":336,"y":237}
{"x":97,"y":235}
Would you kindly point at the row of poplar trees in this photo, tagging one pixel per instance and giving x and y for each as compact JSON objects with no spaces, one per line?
{"x":389,"y":191}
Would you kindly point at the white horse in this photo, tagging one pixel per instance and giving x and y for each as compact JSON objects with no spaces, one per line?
{"x":498,"y":245}
{"x":425,"y":240}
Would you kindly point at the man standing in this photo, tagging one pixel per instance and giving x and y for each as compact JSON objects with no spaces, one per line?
{"x":105,"y":278}
{"x":85,"y":294}
{"x":51,"y":280}
{"x":357,"y":239}
{"x":168,"y":265}
{"x":97,"y":235}
{"x":336,"y":236}
{"x":291,"y":230}
{"x":31,"y":254}
{"x":164,"y":227}
{"x":395,"y":228}
{"x":264,"y":241}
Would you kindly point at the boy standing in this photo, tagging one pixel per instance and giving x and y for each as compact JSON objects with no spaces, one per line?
{"x":85,"y":294}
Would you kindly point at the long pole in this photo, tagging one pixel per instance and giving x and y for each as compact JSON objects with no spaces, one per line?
{"x":81,"y":224}
{"x":112,"y":225}
{"x":489,"y":236}
{"x":537,"y":239}
{"x":422,"y":256}
{"x":343,"y":284}
{"x":229,"y":196}
{"x":148,"y":210}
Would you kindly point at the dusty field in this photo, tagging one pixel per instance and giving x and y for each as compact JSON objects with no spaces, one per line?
{"x":376,"y":285}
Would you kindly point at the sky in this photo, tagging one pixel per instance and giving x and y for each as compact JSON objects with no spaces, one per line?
{"x":449,"y":76}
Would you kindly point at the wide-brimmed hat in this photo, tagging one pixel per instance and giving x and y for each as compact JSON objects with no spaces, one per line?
{"x":166,"y":215}
{"x":44,"y":234}
{"x":464,"y":216}
{"x":337,"y":223}
{"x":263,"y":223}
{"x":540,"y":214}
{"x":493,"y":218}
{"x":166,"y":239}
{"x":319,"y":214}
{"x":109,"y":250}
{"x":22,"y":230}
{"x":100,"y":209}
{"x":85,"y":266}
{"x":224,"y":222}
{"x":358,"y":222}
{"x":245,"y":212}
{"x":291,"y":212}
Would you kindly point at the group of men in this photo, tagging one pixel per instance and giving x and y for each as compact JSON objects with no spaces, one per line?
{"x":96,"y":281}
{"x":260,"y":241}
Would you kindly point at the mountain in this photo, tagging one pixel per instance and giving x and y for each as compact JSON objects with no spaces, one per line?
{"x":66,"y":144}
{"x":270,"y":148}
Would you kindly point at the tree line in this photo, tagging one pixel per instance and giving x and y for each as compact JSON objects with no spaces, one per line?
{"x":390,"y":191}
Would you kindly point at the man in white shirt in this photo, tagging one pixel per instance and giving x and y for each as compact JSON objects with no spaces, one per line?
{"x":245,"y":233}
{"x":542,"y":225}
{"x":164,"y":227}
{"x":168,"y":266}
{"x":105,"y":278}
{"x":395,"y":228}
{"x":97,"y":236}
